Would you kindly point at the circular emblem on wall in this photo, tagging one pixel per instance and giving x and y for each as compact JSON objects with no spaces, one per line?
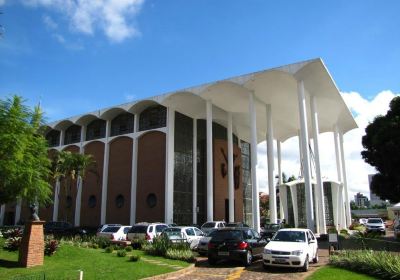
{"x":119,"y":201}
{"x":151,"y":200}
{"x":92,"y":201}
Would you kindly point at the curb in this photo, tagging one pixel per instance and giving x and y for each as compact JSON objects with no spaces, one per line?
{"x":172,"y":274}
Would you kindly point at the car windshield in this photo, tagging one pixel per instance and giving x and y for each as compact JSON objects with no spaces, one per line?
{"x":173,"y":232}
{"x":290,"y":236}
{"x":211,"y":233}
{"x":374,"y":221}
{"x":208,"y":225}
{"x":271,"y":226}
{"x":138,"y":229}
{"x":227,"y":235}
{"x":111,"y":229}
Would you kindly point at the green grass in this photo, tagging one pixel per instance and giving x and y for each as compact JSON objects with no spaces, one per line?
{"x":95,"y":263}
{"x":333,"y":273}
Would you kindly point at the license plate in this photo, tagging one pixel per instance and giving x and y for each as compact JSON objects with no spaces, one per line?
{"x":280,"y":260}
{"x":223,"y":253}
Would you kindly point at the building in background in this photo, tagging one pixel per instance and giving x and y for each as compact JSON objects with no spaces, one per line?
{"x":361,"y":200}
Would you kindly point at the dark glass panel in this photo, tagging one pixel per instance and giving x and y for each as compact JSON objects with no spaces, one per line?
{"x":122,"y":124}
{"x":153,"y":117}
{"x":290,"y":218}
{"x":96,"y":130}
{"x":328,"y":204}
{"x":53,"y":138}
{"x":72,"y":134}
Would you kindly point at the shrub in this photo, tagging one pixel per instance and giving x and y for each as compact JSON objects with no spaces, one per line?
{"x":134,"y":258}
{"x":182,"y":255}
{"x":121,"y":253}
{"x":128,"y":248}
{"x":12,"y":233}
{"x":381,"y":264}
{"x":50,"y":246}
{"x":109,"y":249}
{"x":95,"y":246}
{"x":12,"y":243}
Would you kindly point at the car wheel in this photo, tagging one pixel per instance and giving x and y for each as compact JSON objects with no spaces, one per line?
{"x":248,"y":259}
{"x":316,"y":258}
{"x":305,"y":266}
{"x":212,"y":261}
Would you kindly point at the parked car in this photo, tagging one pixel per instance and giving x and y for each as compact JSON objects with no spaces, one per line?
{"x":270,"y":229}
{"x":209,"y":226}
{"x":62,"y":228}
{"x":102,"y":227}
{"x":202,"y":247}
{"x":145,"y":231}
{"x":191,"y":235}
{"x":240,"y":244}
{"x":114,"y":232}
{"x":237,"y":224}
{"x":363,"y":221}
{"x":375,"y":225}
{"x":291,"y":247}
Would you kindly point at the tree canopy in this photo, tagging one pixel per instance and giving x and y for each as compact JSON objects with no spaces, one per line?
{"x":382,"y":150}
{"x":24,"y":164}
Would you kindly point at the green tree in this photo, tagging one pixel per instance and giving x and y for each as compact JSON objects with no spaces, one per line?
{"x":24,"y":165}
{"x":67,"y":167}
{"x":382,"y":150}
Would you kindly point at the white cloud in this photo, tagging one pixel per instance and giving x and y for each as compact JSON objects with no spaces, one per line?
{"x":49,"y":22}
{"x":2,"y":2}
{"x":114,"y":17}
{"x":364,"y":111}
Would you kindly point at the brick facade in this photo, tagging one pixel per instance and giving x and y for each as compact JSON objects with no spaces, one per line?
{"x":31,"y":251}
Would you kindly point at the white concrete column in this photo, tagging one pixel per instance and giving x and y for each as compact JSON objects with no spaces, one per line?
{"x":339,"y":176}
{"x":56,"y":200}
{"x":345,"y":189}
{"x":104,"y":186}
{"x":306,"y":155}
{"x":62,"y":136}
{"x":270,"y":157}
{"x":300,"y":155}
{"x":18,"y":211}
{"x":335,"y":203}
{"x":2,"y":212}
{"x":293,"y":192}
{"x":253,"y":156}
{"x":280,"y":182}
{"x":320,"y":185}
{"x":194,"y":208}
{"x":79,"y":182}
{"x":135,"y":142}
{"x":210,"y":173}
{"x":283,"y":198}
{"x":169,"y":186}
{"x":231,"y":187}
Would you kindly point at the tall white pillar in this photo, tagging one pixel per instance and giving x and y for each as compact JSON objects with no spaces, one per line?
{"x":293,"y":192}
{"x":280,"y":182}
{"x":339,"y":176}
{"x":79,"y":182}
{"x":18,"y":211}
{"x":62,"y":136}
{"x":306,"y":155}
{"x":320,"y":185}
{"x":2,"y":212}
{"x":132,"y":215}
{"x":104,"y":186}
{"x":270,"y":155}
{"x":194,"y":209}
{"x":210,"y":175}
{"x":301,"y":155}
{"x":56,"y":200}
{"x":345,"y":189}
{"x":253,"y":156}
{"x":231,"y":187}
{"x":169,"y":186}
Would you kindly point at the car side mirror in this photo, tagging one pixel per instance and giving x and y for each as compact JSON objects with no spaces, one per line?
{"x":311,"y":241}
{"x":268,"y":239}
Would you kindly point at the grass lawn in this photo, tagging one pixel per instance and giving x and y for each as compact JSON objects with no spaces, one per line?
{"x":333,"y":273}
{"x":95,"y":263}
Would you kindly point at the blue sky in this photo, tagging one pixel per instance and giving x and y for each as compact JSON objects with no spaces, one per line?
{"x":47,"y":54}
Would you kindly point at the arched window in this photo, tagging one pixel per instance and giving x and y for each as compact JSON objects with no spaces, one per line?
{"x":122,"y":124}
{"x":96,"y":129}
{"x":72,"y":134}
{"x":153,"y":117}
{"x":53,"y":138}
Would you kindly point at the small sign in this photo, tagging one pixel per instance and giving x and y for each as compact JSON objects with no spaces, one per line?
{"x":333,"y":238}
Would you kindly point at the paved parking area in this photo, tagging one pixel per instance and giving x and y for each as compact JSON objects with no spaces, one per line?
{"x":230,"y":271}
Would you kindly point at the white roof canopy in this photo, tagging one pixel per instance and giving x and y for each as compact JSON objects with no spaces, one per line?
{"x":277,"y":86}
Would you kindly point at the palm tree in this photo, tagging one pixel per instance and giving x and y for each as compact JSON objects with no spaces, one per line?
{"x":67,"y":168}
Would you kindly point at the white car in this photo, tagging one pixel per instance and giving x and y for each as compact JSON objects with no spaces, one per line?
{"x":292,"y":247}
{"x":114,"y":232}
{"x":363,"y":221}
{"x":145,"y":231}
{"x":102,"y":227}
{"x":191,"y":235}
{"x":210,"y":226}
{"x":375,"y":225}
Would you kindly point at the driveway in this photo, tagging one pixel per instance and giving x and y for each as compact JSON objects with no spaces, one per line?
{"x":230,"y":271}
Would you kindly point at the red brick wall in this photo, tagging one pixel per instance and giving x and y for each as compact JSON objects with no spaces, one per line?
{"x":31,"y":251}
{"x":92,"y":185}
{"x":119,"y":180}
{"x":151,"y":176}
